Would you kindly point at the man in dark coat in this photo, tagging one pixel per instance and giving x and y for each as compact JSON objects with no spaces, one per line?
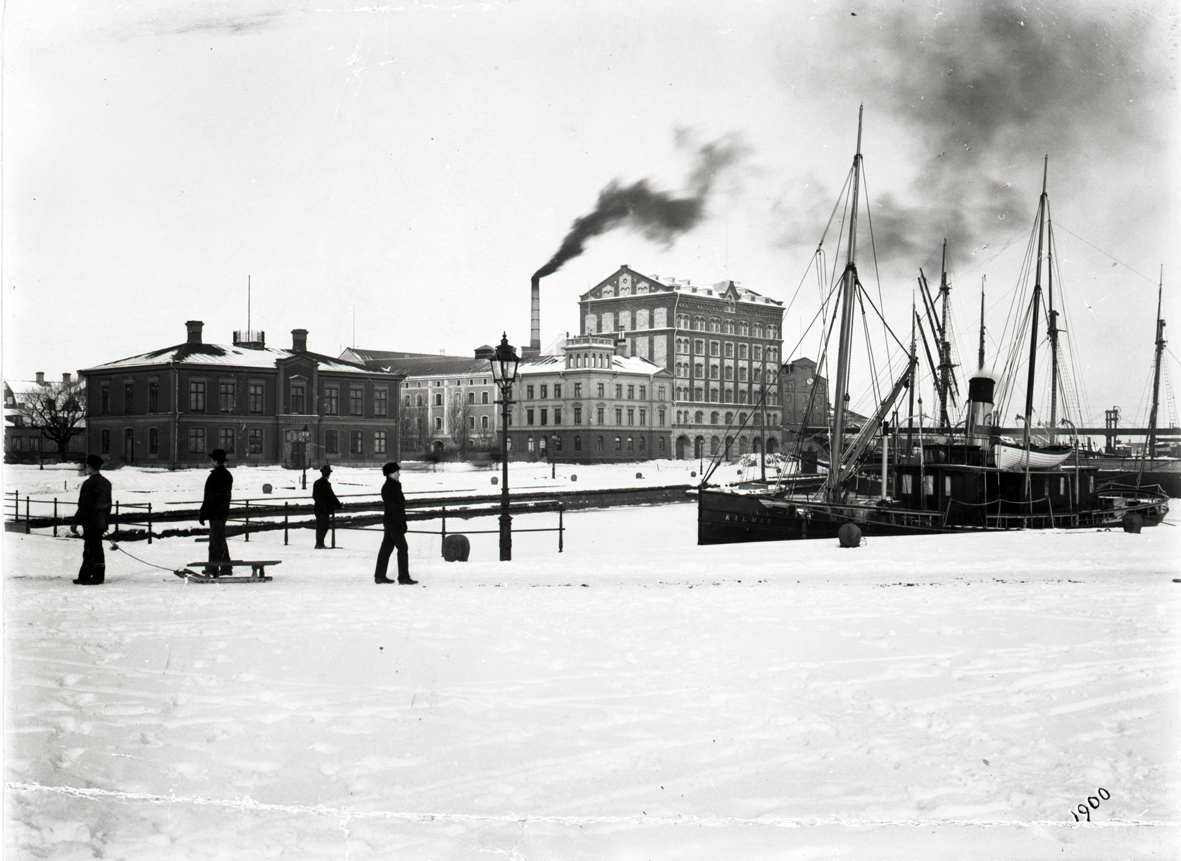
{"x":93,"y":515}
{"x":216,"y":509}
{"x":326,"y":502}
{"x":394,"y":521}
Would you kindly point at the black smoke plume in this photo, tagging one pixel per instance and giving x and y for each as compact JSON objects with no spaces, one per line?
{"x":984,"y":89}
{"x":657,"y":215}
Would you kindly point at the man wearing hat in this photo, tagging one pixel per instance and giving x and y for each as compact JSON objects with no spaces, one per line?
{"x":93,"y":515}
{"x":326,"y":502}
{"x":216,"y":509}
{"x":394,"y":521}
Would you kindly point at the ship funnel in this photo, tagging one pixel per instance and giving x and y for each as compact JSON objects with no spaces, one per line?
{"x":981,"y":389}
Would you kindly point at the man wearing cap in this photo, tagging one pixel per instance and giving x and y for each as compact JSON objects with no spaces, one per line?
{"x":216,"y":509}
{"x":93,"y":515}
{"x":394,"y":521}
{"x":326,"y":502}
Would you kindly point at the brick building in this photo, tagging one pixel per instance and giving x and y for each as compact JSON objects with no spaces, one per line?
{"x":293,"y":407}
{"x":805,"y":401}
{"x":720,"y":344}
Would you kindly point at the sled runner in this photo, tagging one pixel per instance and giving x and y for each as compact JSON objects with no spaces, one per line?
{"x":257,"y":572}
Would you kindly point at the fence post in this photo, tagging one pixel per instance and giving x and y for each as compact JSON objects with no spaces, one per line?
{"x":55,"y":517}
{"x":284,"y":523}
{"x":443,"y":533}
{"x":247,"y":521}
{"x":28,"y":524}
{"x":561,"y":527}
{"x":149,"y":523}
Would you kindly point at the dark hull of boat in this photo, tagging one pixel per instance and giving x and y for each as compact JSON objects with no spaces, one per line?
{"x":725,"y":517}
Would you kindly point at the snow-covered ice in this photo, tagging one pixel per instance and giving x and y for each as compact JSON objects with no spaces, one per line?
{"x":634,"y":696}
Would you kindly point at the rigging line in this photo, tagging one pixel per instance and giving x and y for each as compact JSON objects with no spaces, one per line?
{"x":1151,"y":281}
{"x":873,"y":249}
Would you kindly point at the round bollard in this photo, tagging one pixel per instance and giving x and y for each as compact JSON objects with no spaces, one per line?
{"x":849,"y":535}
{"x":1133,"y":522}
{"x":456,"y":547}
{"x":266,"y":488}
{"x":495,"y":480}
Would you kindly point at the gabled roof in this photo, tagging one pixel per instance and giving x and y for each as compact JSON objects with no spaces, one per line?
{"x":228,"y":356}
{"x":653,"y":284}
{"x":419,"y":365}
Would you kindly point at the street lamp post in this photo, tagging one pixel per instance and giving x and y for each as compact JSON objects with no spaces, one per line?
{"x":304,"y":436}
{"x":504,"y":371}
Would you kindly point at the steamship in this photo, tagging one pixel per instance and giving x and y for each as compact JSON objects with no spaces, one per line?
{"x":969,"y":480}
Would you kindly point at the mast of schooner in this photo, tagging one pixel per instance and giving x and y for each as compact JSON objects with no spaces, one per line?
{"x":848,"y":290}
{"x":1037,"y":301}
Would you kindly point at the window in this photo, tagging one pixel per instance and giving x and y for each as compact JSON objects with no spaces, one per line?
{"x":331,"y":400}
{"x":104,"y":399}
{"x":438,"y":423}
{"x":618,"y":443}
{"x":529,"y":392}
{"x":255,"y":395}
{"x":197,"y":398}
{"x":544,"y":388}
{"x":660,"y":444}
{"x":484,"y":422}
{"x":631,"y":392}
{"x":331,"y":442}
{"x":379,"y":438}
{"x":381,"y":403}
{"x":714,"y":348}
{"x":557,"y":390}
{"x":357,"y":401}
{"x":578,"y":390}
{"x":153,"y":397}
{"x":225,"y":439}
{"x":631,"y":415}
{"x":471,"y":397}
{"x":619,"y":391}
{"x":557,"y":415}
{"x":356,"y":446}
{"x":578,"y":442}
{"x":619,"y":415}
{"x":297,"y":397}
{"x":600,"y":415}
{"x":600,"y":389}
{"x":544,"y":415}
{"x":660,"y":417}
{"x":196,"y":440}
{"x":631,"y":446}
{"x":643,"y":418}
{"x":254,"y":440}
{"x":153,"y":441}
{"x":483,"y":397}
{"x":128,"y":397}
{"x":577,"y":420}
{"x":225,"y":394}
{"x":599,"y":443}
{"x":529,"y":417}
{"x":643,"y":393}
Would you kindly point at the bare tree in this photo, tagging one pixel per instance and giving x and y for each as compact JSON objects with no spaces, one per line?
{"x":412,"y":428}
{"x":458,"y":412}
{"x":58,"y":410}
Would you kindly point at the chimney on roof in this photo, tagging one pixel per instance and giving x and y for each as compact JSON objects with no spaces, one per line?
{"x":65,"y":376}
{"x":40,"y":378}
{"x":299,"y":340}
{"x":194,"y":327}
{"x":484,"y":353}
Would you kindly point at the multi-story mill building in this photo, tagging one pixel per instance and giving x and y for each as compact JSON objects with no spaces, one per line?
{"x":721,"y":346}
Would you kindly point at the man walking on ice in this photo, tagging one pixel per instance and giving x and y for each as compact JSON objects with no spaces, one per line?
{"x":394,"y":521}
{"x":93,"y":515}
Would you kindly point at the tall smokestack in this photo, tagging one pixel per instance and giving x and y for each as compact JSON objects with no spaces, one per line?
{"x":535,"y":320}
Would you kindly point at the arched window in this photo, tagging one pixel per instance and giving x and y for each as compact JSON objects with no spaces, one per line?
{"x":714,"y":444}
{"x":713,"y":417}
{"x":484,"y":397}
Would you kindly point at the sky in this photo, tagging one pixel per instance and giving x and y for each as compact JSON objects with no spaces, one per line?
{"x":391,"y":176}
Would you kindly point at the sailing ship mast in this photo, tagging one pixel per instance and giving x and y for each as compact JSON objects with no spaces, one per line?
{"x":1160,"y":349}
{"x":848,"y":290}
{"x":944,"y":345}
{"x":1037,"y":301}
{"x":980,"y":356}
